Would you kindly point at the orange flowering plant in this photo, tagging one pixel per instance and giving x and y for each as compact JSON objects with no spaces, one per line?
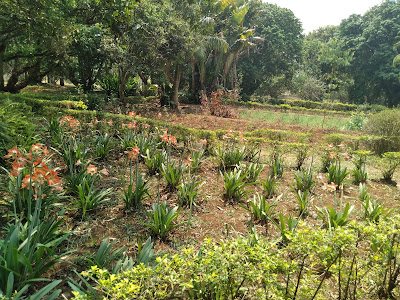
{"x":31,"y":179}
{"x":133,"y":197}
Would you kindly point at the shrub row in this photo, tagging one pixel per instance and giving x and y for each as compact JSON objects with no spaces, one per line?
{"x":348,"y":262}
{"x":337,"y":106}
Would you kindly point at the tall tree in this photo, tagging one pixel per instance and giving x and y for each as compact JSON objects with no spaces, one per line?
{"x":278,"y":52}
{"x":31,"y":40}
{"x":371,"y":37}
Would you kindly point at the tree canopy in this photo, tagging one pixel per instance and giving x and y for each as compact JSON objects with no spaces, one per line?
{"x":242,"y":46}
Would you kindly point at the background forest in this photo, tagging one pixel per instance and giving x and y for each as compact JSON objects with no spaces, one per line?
{"x":184,"y":47}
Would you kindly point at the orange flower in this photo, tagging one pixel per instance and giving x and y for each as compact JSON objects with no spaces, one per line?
{"x":17,"y":167}
{"x":331,"y":155}
{"x":173,"y":140}
{"x":91,"y":169}
{"x":13,"y":153}
{"x":27,"y":181}
{"x":188,"y":160}
{"x":53,"y":178}
{"x":131,"y":125}
{"x":133,"y":154}
{"x":203,"y":142}
{"x":104,"y":171}
{"x":110,"y":122}
{"x":131,"y":114}
{"x":39,"y":148}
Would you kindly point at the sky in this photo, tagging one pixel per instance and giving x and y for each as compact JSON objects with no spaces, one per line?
{"x":318,"y":13}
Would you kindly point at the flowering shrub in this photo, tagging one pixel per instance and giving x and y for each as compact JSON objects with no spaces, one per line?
{"x":214,"y":105}
{"x":31,"y":178}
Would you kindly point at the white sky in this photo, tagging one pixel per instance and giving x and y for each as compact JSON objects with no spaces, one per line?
{"x":317,"y":13}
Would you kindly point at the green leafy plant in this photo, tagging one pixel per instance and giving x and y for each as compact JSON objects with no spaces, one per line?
{"x":189,"y":191}
{"x":261,"y":209}
{"x":374,"y":211}
{"x":276,"y":167}
{"x":252,"y":170}
{"x":229,"y":157}
{"x":388,"y":165}
{"x":196,"y":159}
{"x":172,"y":174}
{"x":89,"y":197}
{"x":105,"y":255}
{"x":28,"y":251}
{"x":303,"y":199}
{"x":133,"y":198}
{"x":337,"y":174}
{"x":103,"y":144}
{"x":154,"y":160}
{"x":269,"y":186}
{"x":286,"y":226}
{"x":360,"y":163}
{"x":301,"y":151}
{"x":333,"y":218}
{"x":234,"y":183}
{"x":161,"y":219}
{"x":304,"y":180}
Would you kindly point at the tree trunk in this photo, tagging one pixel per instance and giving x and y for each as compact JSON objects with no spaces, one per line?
{"x":175,"y":93}
{"x":193,"y":78}
{"x":2,"y":49}
{"x":122,"y":82}
{"x":62,"y":83}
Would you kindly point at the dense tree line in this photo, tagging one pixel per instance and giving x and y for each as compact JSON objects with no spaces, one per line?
{"x":191,"y":46}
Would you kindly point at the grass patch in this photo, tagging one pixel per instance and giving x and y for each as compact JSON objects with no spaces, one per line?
{"x":333,"y":122}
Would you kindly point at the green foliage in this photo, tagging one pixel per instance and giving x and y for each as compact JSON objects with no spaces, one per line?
{"x":161,"y":219}
{"x":286,"y":226}
{"x":196,"y":159}
{"x":337,"y":174}
{"x":102,"y":145}
{"x":154,"y":160}
{"x":276,"y":167}
{"x":356,"y":121}
{"x":229,"y":157}
{"x":133,"y":197}
{"x":388,"y":165}
{"x":105,"y":255}
{"x":359,"y":260}
{"x":269,"y":186}
{"x":333,"y":218}
{"x":252,"y":171}
{"x":89,"y":197}
{"x":303,"y":199}
{"x":374,"y":211}
{"x":360,"y":163}
{"x":28,"y":251}
{"x":234,"y":183}
{"x":386,"y":126}
{"x":189,"y":191}
{"x":16,"y":127}
{"x":172,"y":174}
{"x":261,"y":209}
{"x":304,"y":180}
